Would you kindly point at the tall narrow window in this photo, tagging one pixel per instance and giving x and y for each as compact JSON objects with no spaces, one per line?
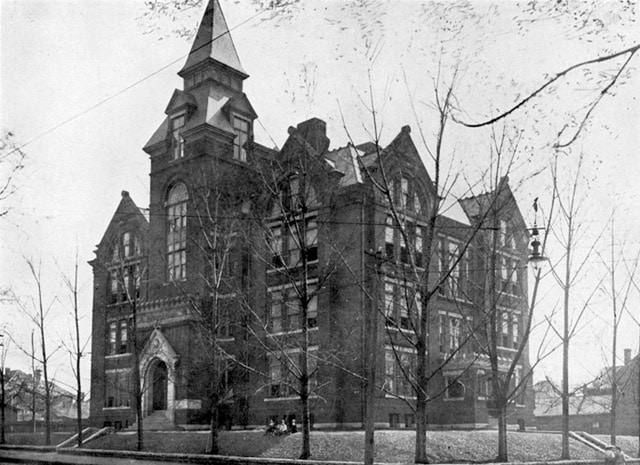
{"x":389,"y":304}
{"x":505,"y":329}
{"x":123,"y":337}
{"x":312,"y":312}
{"x":275,"y":244}
{"x":503,"y":233}
{"x":276,"y":311}
{"x":455,"y":331}
{"x":126,"y":244}
{"x":453,"y":268}
{"x":388,"y":238}
{"x":241,"y":128}
{"x":177,"y":232}
{"x":406,"y":198}
{"x":177,"y":141}
{"x":113,"y":335}
{"x":515,"y":332}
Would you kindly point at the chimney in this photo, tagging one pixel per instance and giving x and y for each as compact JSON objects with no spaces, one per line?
{"x":314,"y":131}
{"x":627,"y":356}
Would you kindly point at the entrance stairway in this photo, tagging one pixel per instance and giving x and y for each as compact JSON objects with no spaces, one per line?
{"x":156,"y":421}
{"x":591,"y":441}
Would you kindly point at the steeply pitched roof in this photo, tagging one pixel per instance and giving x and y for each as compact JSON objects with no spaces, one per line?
{"x":501,"y":198}
{"x":126,"y":211}
{"x":345,"y":161}
{"x":213,"y":40}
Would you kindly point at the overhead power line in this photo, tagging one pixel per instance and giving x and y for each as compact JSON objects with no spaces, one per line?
{"x":129,"y":87}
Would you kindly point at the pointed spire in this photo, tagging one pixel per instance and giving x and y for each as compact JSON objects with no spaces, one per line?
{"x":213,"y":40}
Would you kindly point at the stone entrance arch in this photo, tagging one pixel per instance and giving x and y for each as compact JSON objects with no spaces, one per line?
{"x":157,"y":369}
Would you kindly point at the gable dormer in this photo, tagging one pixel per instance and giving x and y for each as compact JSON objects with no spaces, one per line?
{"x":212,"y":105}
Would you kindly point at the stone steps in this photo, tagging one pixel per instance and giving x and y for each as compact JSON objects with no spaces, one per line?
{"x":156,"y":421}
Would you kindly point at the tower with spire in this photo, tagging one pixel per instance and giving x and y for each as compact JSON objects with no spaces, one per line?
{"x":250,"y":283}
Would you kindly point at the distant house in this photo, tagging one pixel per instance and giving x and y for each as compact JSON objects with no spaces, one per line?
{"x":25,"y":399}
{"x":590,"y":405}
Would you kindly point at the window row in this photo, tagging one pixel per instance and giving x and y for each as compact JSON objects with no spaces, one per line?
{"x":285,"y":372}
{"x":452,"y":329}
{"x":507,"y":237}
{"x":125,"y":283}
{"x":241,"y":128}
{"x":117,"y":388}
{"x":402,"y":306}
{"x":404,"y":194}
{"x":455,"y":387}
{"x":399,"y":372}
{"x":118,"y":337}
{"x":290,"y":240}
{"x":211,"y":73}
{"x":176,"y":217}
{"x":453,"y":261}
{"x":510,"y":330}
{"x":405,"y":251}
{"x":295,"y":195}
{"x":509,"y":275}
{"x":285,"y":313}
{"x":484,"y":385}
{"x":221,"y":315}
{"x":127,"y":246}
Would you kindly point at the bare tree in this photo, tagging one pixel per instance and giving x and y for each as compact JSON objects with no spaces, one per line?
{"x":38,"y":316}
{"x":619,"y":292}
{"x":3,"y":399}
{"x":127,"y":269}
{"x":297,"y":270}
{"x":77,"y":346}
{"x":567,"y":270}
{"x":12,"y":162}
{"x":220,"y":209}
{"x":415,"y":224}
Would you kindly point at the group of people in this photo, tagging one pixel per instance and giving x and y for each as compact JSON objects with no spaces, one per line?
{"x":282,"y":428}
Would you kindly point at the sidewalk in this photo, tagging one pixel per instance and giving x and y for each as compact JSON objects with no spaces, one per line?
{"x":36,"y":457}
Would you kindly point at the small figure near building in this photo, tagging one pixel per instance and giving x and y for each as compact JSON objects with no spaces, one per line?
{"x":614,"y":456}
{"x":282,"y":428}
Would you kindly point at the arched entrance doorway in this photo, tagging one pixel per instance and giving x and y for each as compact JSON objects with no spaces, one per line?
{"x":159,"y":386}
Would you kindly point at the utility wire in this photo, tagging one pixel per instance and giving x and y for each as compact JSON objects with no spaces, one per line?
{"x":131,"y":86}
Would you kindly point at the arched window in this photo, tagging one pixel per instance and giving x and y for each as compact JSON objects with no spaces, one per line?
{"x":176,"y":209}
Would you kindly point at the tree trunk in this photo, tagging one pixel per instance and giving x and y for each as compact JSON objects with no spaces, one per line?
{"x":638,"y":394}
{"x":3,"y":405}
{"x":421,"y":429}
{"x":306,"y":422}
{"x":78,"y":355}
{"x":502,"y":432}
{"x":614,"y":377}
{"x":371,"y":350}
{"x":212,"y":442}
{"x":136,"y":382}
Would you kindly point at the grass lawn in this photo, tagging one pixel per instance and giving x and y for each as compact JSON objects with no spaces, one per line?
{"x":442,"y":446}
{"x":239,"y":443}
{"x":391,"y":446}
{"x":31,"y":439}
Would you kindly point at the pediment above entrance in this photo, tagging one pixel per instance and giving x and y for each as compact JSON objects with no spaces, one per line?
{"x":158,"y":347}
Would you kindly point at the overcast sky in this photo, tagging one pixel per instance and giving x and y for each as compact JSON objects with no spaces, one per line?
{"x":62,"y":59}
